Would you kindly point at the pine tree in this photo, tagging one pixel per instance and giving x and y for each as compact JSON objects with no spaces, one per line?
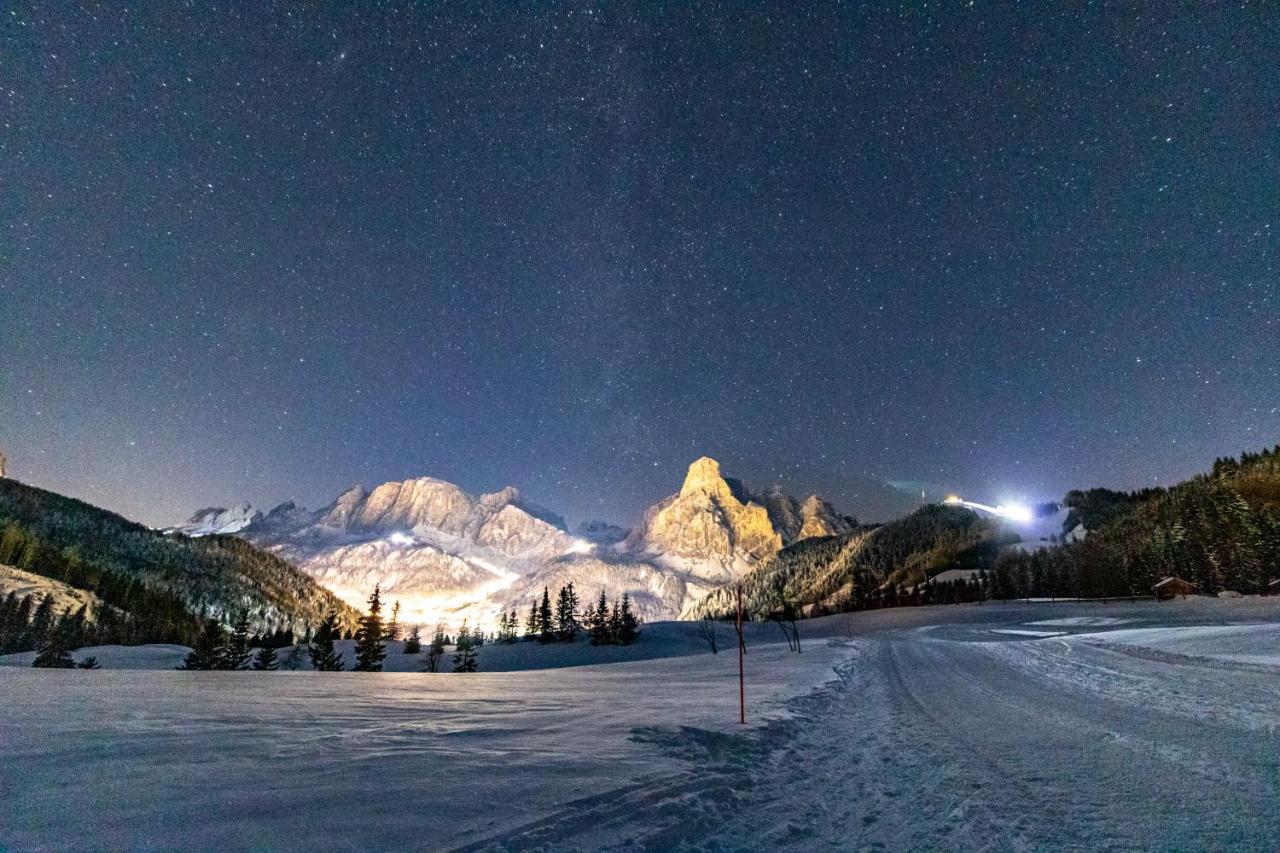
{"x":567,"y":626}
{"x":16,"y":627}
{"x":8,"y":608}
{"x":628,"y":626}
{"x":237,"y":653}
{"x":511,"y":634}
{"x":413,"y":643}
{"x":266,"y":659}
{"x":208,"y":651}
{"x":531,"y":624}
{"x":90,"y":662}
{"x":370,"y":650}
{"x":293,"y":659}
{"x":393,"y":627}
{"x":546,"y":627}
{"x":599,"y":622}
{"x":41,"y":623}
{"x":321,"y":650}
{"x":435,"y":651}
{"x":55,"y":652}
{"x":464,"y":653}
{"x":615,"y":622}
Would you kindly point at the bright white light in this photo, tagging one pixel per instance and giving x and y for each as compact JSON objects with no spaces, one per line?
{"x":401,"y":539}
{"x":581,"y":546}
{"x":1016,"y":512}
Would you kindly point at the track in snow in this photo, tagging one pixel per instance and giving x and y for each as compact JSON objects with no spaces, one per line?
{"x":951,"y":739}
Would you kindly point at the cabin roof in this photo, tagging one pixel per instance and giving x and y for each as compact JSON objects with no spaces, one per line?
{"x":1172,"y":579}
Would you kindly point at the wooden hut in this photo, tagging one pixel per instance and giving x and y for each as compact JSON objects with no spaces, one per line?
{"x":1173,"y":587}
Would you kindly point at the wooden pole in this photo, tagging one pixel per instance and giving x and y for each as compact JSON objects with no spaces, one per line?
{"x":742,"y":688}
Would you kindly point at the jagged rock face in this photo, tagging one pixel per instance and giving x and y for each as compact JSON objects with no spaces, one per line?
{"x":784,"y":512}
{"x":437,"y":510}
{"x":216,"y":519}
{"x":404,"y":506}
{"x":795,"y":520}
{"x":601,"y":532}
{"x":819,"y":518}
{"x":709,"y":523}
{"x":346,"y":508}
{"x":512,"y":531}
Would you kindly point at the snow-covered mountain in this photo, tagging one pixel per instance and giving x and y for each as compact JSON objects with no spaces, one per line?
{"x":216,"y":519}
{"x":446,"y":555}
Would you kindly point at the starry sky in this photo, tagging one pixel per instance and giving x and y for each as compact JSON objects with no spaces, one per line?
{"x":262,"y":251}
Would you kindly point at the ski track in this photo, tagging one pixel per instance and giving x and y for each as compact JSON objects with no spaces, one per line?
{"x":926,"y":744}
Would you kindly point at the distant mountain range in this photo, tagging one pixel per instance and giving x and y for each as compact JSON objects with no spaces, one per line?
{"x":447,"y":555}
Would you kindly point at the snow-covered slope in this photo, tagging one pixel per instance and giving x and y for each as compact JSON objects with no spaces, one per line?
{"x":65,"y":598}
{"x":897,"y":729}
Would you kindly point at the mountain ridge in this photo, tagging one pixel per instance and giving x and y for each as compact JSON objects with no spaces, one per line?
{"x":447,"y":553}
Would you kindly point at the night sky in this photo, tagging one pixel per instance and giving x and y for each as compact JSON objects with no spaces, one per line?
{"x":265,"y":251}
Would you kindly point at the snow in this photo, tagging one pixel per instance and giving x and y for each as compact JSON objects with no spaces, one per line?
{"x":916,"y":728}
{"x":1082,"y":621}
{"x":1257,"y":644}
{"x":65,"y":597}
{"x":305,"y":760}
{"x":1025,"y":632}
{"x":116,"y":657}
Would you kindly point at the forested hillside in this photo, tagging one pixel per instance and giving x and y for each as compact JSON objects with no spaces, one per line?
{"x":847,"y":572}
{"x":160,"y":585}
{"x":1219,"y":530}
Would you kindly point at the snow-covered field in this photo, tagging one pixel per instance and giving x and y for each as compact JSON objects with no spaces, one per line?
{"x":1100,"y":727}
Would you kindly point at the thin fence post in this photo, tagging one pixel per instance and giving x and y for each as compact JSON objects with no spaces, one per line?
{"x":742,"y":685}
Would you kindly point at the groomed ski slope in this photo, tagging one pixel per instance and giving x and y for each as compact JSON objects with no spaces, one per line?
{"x":1101,"y":727}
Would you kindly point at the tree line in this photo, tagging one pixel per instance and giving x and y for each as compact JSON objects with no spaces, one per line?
{"x":27,"y":626}
{"x":604,"y":622}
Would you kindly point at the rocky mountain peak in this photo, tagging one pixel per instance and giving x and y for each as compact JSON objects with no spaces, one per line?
{"x":704,"y":476}
{"x":342,"y":510}
{"x":819,"y":518}
{"x":502,"y":497}
{"x":711,"y":521}
{"x":216,"y":519}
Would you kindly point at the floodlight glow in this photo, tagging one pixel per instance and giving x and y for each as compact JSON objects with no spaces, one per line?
{"x":581,"y":546}
{"x":1016,"y":512}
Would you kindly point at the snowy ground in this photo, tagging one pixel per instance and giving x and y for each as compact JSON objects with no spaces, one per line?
{"x":1102,"y":727}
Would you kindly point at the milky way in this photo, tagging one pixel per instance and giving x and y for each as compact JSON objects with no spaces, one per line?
{"x":270,"y":250}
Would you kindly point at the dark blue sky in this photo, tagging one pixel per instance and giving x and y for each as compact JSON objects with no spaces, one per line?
{"x":262,"y":251}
